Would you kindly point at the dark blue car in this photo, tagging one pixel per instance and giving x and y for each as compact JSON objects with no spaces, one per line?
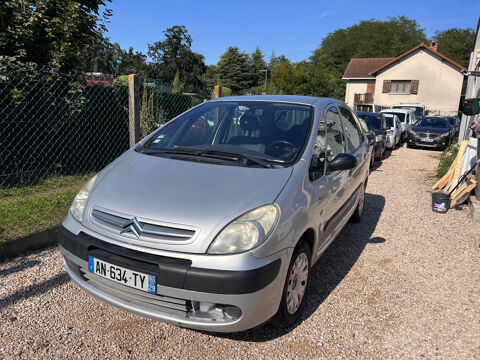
{"x":430,"y":131}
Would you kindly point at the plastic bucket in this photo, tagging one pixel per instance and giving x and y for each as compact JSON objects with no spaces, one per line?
{"x":440,"y":202}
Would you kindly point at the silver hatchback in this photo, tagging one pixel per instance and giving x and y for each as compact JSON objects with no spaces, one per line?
{"x":214,"y":221}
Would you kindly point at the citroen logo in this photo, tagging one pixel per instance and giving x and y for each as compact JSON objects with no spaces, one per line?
{"x":132,"y":226}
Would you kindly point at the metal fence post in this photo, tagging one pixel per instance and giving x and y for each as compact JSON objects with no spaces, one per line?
{"x":133,"y":109}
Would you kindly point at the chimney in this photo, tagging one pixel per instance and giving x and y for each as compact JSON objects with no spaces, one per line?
{"x":433,"y":45}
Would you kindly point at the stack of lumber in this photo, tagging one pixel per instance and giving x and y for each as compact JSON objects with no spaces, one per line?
{"x":448,"y":182}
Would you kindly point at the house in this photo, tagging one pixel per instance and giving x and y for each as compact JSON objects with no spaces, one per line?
{"x":421,"y":75}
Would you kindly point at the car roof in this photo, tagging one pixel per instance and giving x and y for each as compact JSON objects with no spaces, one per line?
{"x":397,"y":110}
{"x":296,"y":99}
{"x":416,"y":105}
{"x":368,"y":113}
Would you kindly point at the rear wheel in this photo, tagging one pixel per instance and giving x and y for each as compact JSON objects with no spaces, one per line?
{"x":295,"y":287}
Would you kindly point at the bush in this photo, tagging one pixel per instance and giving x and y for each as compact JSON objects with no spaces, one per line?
{"x":446,"y":159}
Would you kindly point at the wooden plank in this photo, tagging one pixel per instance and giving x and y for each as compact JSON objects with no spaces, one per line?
{"x":465,"y":191}
{"x":458,"y":165}
{"x":459,"y":190}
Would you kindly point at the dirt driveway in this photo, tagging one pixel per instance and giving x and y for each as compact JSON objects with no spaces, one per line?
{"x":405,"y":283}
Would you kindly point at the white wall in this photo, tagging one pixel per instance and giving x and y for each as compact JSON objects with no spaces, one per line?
{"x":440,"y":84}
{"x":355,"y":87}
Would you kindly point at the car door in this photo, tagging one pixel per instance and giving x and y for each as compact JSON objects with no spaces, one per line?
{"x":333,"y":209}
{"x":357,"y":145}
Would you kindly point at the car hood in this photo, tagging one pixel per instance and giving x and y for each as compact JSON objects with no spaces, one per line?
{"x":181,"y":194}
{"x":429,"y":129}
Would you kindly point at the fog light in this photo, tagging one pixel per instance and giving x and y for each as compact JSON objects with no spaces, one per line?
{"x":214,"y":312}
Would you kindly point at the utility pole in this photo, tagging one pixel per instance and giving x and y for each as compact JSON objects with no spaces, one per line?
{"x":266,"y":72}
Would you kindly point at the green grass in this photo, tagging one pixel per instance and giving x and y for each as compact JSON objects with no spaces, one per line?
{"x":446,"y":159}
{"x":28,"y":209}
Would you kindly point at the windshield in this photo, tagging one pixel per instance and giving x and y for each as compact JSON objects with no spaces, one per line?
{"x":452,"y":120}
{"x":270,"y":131}
{"x":417,"y":109}
{"x":435,"y":122}
{"x":389,"y":121}
{"x":401,"y":116}
{"x":373,"y":122}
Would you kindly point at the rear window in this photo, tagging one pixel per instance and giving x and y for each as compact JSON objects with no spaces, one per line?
{"x":373,"y":122}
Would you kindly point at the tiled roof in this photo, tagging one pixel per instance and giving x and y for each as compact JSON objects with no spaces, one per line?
{"x":361,"y":68}
{"x":420,"y":46}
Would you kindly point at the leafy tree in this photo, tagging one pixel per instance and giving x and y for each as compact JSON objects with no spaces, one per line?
{"x":291,"y":78}
{"x":369,"y":38}
{"x":456,"y":43}
{"x":173,"y":55}
{"x":234,"y":70}
{"x":57,"y":34}
{"x":131,"y":62}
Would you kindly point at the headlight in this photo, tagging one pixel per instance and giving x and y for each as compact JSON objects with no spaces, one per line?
{"x":379,"y":138}
{"x":446,"y":134}
{"x":247,"y":231}
{"x":81,"y":199}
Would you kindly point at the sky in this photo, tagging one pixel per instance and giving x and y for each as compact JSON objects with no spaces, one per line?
{"x":290,"y":28}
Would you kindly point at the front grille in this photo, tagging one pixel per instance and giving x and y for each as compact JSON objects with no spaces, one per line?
{"x":160,"y":303}
{"x":428,"y":135}
{"x":144,"y":231}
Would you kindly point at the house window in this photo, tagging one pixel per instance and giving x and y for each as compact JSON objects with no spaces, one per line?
{"x":401,"y":86}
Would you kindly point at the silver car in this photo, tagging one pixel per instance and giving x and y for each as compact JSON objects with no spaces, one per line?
{"x":214,"y":221}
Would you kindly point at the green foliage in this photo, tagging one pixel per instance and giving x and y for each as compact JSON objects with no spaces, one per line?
{"x":258,"y":67}
{"x":455,"y":43}
{"x":173,"y":55}
{"x":234,"y":70}
{"x":446,"y":159}
{"x":57,"y":34}
{"x":322,"y":74}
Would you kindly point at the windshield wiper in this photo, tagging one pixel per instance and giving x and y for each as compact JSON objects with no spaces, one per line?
{"x":206,"y":152}
{"x":209,"y":152}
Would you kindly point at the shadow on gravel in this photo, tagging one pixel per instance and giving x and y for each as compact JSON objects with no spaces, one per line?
{"x":329,"y":270}
{"x":35,"y":290}
{"x":19,"y":267}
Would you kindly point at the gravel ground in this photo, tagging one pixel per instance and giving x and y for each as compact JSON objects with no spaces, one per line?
{"x":405,"y":283}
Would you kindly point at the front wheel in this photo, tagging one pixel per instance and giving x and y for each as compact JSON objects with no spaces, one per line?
{"x":357,"y":214}
{"x":295,"y":287}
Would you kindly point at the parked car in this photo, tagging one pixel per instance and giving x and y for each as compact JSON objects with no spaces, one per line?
{"x":393,"y":130}
{"x":407,"y":119}
{"x":376,"y":123}
{"x":216,"y":227}
{"x":430,"y":131}
{"x":417,"y":108}
{"x":454,"y":123}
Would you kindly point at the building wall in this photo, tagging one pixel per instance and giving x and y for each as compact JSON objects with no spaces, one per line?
{"x":440,"y":84}
{"x":356,"y":87}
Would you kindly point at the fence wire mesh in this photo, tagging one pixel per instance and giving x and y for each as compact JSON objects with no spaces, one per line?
{"x":64,"y":124}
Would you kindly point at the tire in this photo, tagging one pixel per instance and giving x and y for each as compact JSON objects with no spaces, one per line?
{"x":409,"y":146}
{"x":357,"y":214}
{"x":372,"y":159}
{"x":297,"y":278}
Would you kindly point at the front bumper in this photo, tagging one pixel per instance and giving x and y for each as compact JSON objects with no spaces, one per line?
{"x":213,"y":299}
{"x":439,"y":142}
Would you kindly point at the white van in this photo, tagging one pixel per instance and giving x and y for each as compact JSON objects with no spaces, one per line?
{"x":407,"y":119}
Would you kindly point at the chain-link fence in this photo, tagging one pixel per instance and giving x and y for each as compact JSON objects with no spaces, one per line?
{"x":63,"y":124}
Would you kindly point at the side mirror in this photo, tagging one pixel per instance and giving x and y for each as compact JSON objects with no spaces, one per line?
{"x":342,"y":162}
{"x":371,"y":137}
{"x":470,"y":106}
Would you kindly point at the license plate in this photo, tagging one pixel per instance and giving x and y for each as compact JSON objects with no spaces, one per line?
{"x":134,"y":279}
{"x":426,"y":140}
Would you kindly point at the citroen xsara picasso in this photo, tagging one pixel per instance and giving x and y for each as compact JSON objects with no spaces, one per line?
{"x":214,"y":220}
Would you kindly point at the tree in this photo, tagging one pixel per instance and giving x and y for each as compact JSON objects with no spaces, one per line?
{"x":131,"y":62}
{"x":369,"y":38}
{"x":234,"y":70}
{"x":456,"y":43}
{"x":291,"y":78}
{"x":58,"y":34}
{"x":173,"y":55}
{"x":258,"y":67}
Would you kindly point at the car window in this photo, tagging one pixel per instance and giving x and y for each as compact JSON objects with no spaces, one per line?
{"x":317,"y":164}
{"x":353,"y":133}
{"x":335,"y":137}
